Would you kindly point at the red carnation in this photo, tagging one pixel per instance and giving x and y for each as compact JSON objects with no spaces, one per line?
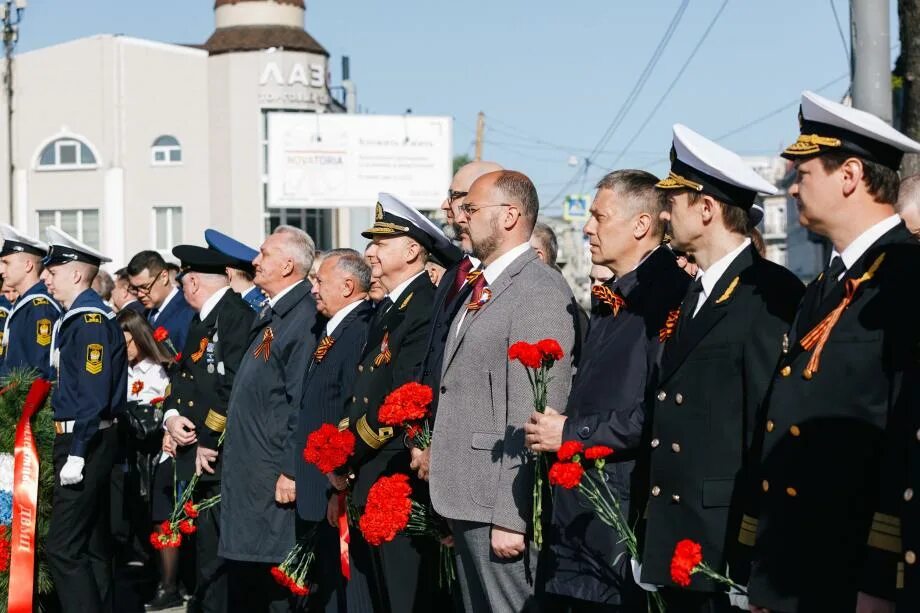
{"x":5,"y":550}
{"x":190,"y":509}
{"x":158,"y":400}
{"x":187,"y":527}
{"x":178,"y":357}
{"x":527,"y":354}
{"x":387,"y":510}
{"x":160,"y":334}
{"x":299,"y":589}
{"x":551,"y":350}
{"x":687,"y":556}
{"x":568,"y":450}
{"x":566,"y":474}
{"x":279,"y":575}
{"x":407,"y":403}
{"x":597,"y":452}
{"x":328,"y":448}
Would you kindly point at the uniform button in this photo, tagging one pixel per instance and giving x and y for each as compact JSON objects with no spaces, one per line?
{"x":426,"y":374}
{"x":585,"y":431}
{"x":675,"y":498}
{"x":192,"y":377}
{"x":354,"y":399}
{"x":372,"y":369}
{"x":910,"y":557}
{"x":679,"y":398}
{"x":675,"y":447}
{"x":365,"y":400}
{"x":790,"y":491}
{"x":191,"y":403}
{"x":443,"y":390}
{"x":655,"y":443}
{"x":360,"y":367}
{"x":183,"y":375}
{"x":908,"y":494}
{"x":662,"y":395}
{"x":770,"y":425}
{"x":656,"y":490}
{"x":918,"y":435}
{"x":786,"y":371}
{"x":794,"y":430}
{"x":765,"y":485}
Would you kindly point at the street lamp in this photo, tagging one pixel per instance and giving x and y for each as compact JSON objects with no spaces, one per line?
{"x":10,"y":16}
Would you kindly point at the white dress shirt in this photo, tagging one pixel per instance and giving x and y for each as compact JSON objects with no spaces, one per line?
{"x":711,"y":276}
{"x":858,"y":247}
{"x":333,"y":323}
{"x":152,"y":379}
{"x":274,"y":299}
{"x":211,"y":302}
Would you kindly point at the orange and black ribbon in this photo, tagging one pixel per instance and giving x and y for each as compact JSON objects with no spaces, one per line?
{"x":323,"y":348}
{"x":478,"y":282}
{"x":384,"y":356}
{"x":202,"y":345}
{"x":669,"y":325}
{"x":817,"y":338}
{"x":265,"y":347}
{"x":609,"y":297}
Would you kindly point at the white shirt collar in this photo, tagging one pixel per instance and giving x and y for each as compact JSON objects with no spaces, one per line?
{"x":143,"y":366}
{"x":858,"y":247}
{"x":333,"y":323}
{"x":399,"y":289}
{"x":162,"y":307}
{"x":211,"y":302}
{"x":274,"y":299}
{"x":711,"y":276}
{"x":496,"y":268}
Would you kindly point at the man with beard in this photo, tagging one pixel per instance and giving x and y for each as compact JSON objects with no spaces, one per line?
{"x":480,"y":478}
{"x":715,"y":371}
{"x":587,"y":566}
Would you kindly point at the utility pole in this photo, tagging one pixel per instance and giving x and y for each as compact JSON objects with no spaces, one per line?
{"x":480,"y":131}
{"x":870,"y":57}
{"x":10,"y":15}
{"x":909,"y":69}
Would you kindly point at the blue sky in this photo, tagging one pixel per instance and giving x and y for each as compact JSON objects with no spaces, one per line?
{"x":550,"y":76}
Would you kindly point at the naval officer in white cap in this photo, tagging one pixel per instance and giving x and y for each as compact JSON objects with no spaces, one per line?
{"x":26,"y":340}
{"x":88,"y":353}
{"x":835,"y":517}
{"x":717,"y":365}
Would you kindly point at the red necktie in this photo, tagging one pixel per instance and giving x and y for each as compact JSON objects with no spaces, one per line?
{"x":466,"y":265}
{"x":478,"y":281}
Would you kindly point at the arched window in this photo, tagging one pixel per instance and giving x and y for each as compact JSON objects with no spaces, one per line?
{"x":166,"y":150}
{"x":66,"y":153}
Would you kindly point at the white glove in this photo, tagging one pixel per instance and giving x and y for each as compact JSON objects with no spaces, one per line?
{"x":637,"y":574}
{"x":72,"y":472}
{"x":738,"y":599}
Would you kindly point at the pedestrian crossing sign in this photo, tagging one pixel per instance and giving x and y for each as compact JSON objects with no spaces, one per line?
{"x":575,"y":207}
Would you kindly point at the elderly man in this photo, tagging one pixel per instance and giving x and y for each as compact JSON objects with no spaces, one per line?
{"x":196,"y":407}
{"x":587,"y":566}
{"x":26,"y":339}
{"x":92,"y":377}
{"x":340,"y":290}
{"x":258,"y":491}
{"x":908,"y":204}
{"x":166,"y":307}
{"x":480,"y":479}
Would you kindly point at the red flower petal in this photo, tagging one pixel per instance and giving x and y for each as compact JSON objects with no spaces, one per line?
{"x":597,"y":452}
{"x":566,"y":474}
{"x":329,"y":448}
{"x":568,"y":449}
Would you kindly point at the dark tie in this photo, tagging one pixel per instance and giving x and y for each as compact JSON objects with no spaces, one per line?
{"x":466,"y":265}
{"x":688,"y":307}
{"x":831,"y":275}
{"x":381,"y":310}
{"x":152,"y":315}
{"x":478,"y":281}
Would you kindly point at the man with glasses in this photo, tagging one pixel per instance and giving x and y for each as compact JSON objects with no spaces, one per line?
{"x":166,"y":306}
{"x":27,"y":329}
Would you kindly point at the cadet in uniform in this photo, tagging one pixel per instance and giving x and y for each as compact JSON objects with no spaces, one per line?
{"x":196,"y":408}
{"x":90,"y":358}
{"x":395,"y":348}
{"x":26,"y":341}
{"x":240,"y":270}
{"x":827,"y":519}
{"x":716,"y":367}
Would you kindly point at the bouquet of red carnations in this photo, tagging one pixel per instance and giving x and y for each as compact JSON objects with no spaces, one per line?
{"x":688,"y":560}
{"x":293,"y":570}
{"x":390,"y":510}
{"x":407,"y":407}
{"x":537,"y":358}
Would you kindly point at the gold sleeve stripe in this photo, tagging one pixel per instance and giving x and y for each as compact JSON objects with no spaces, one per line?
{"x":891,"y":520}
{"x":374,"y":440}
{"x":889,"y":530}
{"x":885,"y":542}
{"x":215,"y":421}
{"x":899,"y":581}
{"x":343,"y":425}
{"x":747,"y":535}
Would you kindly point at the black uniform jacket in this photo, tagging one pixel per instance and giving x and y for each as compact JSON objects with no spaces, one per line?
{"x":607,"y":407}
{"x":326,"y":390}
{"x":713,"y":379}
{"x":402,"y":331}
{"x":200,"y":388}
{"x":824,"y":492}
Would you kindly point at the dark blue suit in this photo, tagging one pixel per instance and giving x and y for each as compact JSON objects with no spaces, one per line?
{"x":136,"y":306}
{"x":27,"y":335}
{"x":327,"y":387}
{"x":176,"y":317}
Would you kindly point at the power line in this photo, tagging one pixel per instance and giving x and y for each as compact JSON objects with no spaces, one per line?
{"x":843,"y":38}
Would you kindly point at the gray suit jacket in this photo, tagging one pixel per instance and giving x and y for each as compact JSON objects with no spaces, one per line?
{"x":478,"y":467}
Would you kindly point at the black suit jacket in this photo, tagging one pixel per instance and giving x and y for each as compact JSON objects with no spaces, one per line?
{"x":200,"y":387}
{"x":834,"y":472}
{"x":713,"y":379}
{"x":327,"y":387}
{"x":403,"y":330}
{"x":137,"y":307}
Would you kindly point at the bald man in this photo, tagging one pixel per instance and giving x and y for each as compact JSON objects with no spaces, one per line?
{"x":453,"y":290}
{"x":908,"y":205}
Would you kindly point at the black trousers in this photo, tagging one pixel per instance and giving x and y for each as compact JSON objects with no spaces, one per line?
{"x":406,"y":574}
{"x":211,"y":586}
{"x":688,"y":601}
{"x":252,"y":589}
{"x":78,"y":544}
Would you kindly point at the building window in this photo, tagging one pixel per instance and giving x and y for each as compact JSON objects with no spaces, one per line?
{"x":315,"y":222}
{"x":167,"y":224}
{"x":166,"y":151}
{"x":66,"y":154}
{"x":83,"y":224}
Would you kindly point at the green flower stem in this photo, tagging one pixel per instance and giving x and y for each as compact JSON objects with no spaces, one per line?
{"x":704,"y":568}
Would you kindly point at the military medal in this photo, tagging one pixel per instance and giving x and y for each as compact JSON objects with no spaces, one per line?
{"x":210,"y":369}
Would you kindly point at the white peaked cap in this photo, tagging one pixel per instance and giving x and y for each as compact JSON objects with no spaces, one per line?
{"x":65,"y":248}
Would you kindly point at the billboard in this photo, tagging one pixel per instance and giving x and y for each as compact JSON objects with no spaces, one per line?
{"x":318,"y":160}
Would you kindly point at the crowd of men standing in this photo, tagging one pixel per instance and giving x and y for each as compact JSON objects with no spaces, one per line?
{"x":774,"y":424}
